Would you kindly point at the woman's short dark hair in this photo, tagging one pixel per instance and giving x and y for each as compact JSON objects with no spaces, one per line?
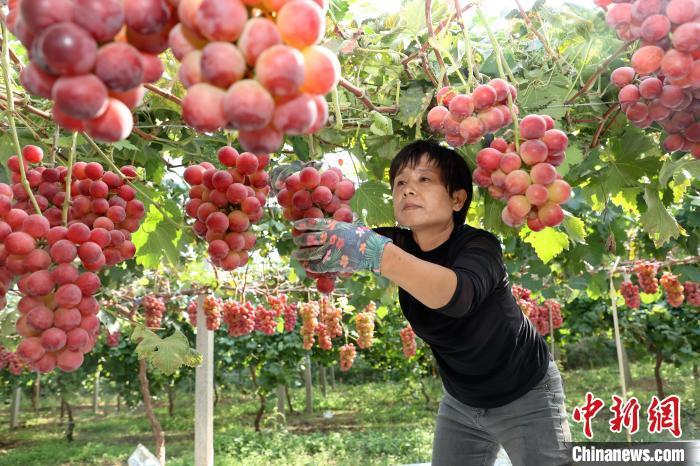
{"x":453,"y":169}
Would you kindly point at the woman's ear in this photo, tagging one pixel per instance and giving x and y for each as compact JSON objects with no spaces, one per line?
{"x":459,"y":197}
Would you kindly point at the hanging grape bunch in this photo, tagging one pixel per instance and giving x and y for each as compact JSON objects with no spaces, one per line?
{"x":309,"y":313}
{"x":347,"y":356}
{"x":630,"y":292}
{"x":192,"y":313}
{"x":692,"y":293}
{"x":91,"y":57}
{"x":11,"y":361}
{"x":527,"y":178}
{"x":364,"y":325}
{"x":112,"y":339}
{"x":238,"y":317}
{"x":225,"y":203}
{"x":662,"y":85}
{"x":523,"y":298}
{"x":313,"y":194}
{"x":58,"y":321}
{"x":154,"y":307}
{"x":673,"y":289}
{"x":466,"y":118}
{"x":265,"y":320}
{"x":254,"y":66}
{"x":285,"y":309}
{"x":646,"y":276}
{"x":212,"y":312}
{"x":408,"y":341}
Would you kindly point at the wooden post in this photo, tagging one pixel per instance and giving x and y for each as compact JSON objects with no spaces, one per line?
{"x":37,"y":392}
{"x":333,"y":377}
{"x":323,"y":380}
{"x":14,"y":414}
{"x":280,"y":398}
{"x":308,"y":386}
{"x":618,"y":340}
{"x":204,"y":392}
{"x":96,"y":393}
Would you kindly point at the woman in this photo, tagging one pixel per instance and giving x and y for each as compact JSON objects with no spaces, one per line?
{"x":501,"y":387}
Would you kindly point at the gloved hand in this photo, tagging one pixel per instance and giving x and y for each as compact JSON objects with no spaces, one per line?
{"x":330,"y":246}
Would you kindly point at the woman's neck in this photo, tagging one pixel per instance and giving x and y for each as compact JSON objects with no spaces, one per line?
{"x":431,"y":237}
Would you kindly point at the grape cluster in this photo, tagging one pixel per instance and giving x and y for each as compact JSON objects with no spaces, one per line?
{"x":91,"y":57}
{"x":212,"y":312}
{"x":313,"y":194}
{"x":331,"y":316}
{"x":523,"y":297}
{"x":283,"y":308}
{"x":646,"y":276}
{"x":309,"y":322}
{"x":154,"y":307}
{"x":408,"y":341}
{"x":347,"y":356}
{"x":324,"y":337}
{"x":630,"y":292}
{"x":239,"y":318}
{"x":662,"y":84}
{"x":57,"y":308}
{"x":539,"y":316}
{"x":112,"y":339}
{"x":692,"y":293}
{"x":225,"y":203}
{"x":11,"y":361}
{"x":254,"y":66}
{"x":466,"y":118}
{"x":527,"y":180}
{"x":364,"y":325}
{"x":673,"y":289}
{"x":192,"y":313}
{"x":265,"y":320}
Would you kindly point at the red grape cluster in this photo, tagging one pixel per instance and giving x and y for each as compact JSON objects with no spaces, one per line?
{"x":154,"y":307}
{"x":91,"y":58}
{"x":646,"y":276}
{"x":309,"y":313}
{"x":347,"y":356}
{"x":692,"y":293}
{"x":239,"y":317}
{"x":539,"y":316}
{"x":630,"y":292}
{"x":265,"y":320}
{"x":331,"y":316}
{"x":528,"y":179}
{"x":455,"y":116}
{"x":666,"y":65}
{"x":364,"y":325}
{"x":212,"y":312}
{"x":408,"y":341}
{"x":283,"y":307}
{"x":254,"y":66}
{"x":192,"y":313}
{"x":11,"y":361}
{"x":225,"y":203}
{"x":58,"y":320}
{"x":112,"y":339}
{"x":313,"y":194}
{"x":673,"y":289}
{"x":523,"y":297}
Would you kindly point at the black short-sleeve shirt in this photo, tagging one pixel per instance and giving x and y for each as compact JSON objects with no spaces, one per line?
{"x":487,"y":351}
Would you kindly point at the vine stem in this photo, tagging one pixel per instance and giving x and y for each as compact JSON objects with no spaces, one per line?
{"x":603,"y":66}
{"x":499,"y":62}
{"x":336,"y":106}
{"x":69,"y":176}
{"x":431,"y":39}
{"x":540,"y":37}
{"x":11,"y":113}
{"x":468,"y":42}
{"x":436,"y":45}
{"x":127,"y":181}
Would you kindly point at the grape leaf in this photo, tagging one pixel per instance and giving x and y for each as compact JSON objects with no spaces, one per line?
{"x":381,"y":125}
{"x":371,"y":203}
{"x":659,"y":224}
{"x":412,"y":103}
{"x":576,"y":229}
{"x":165,"y":354}
{"x":687,"y":164}
{"x":547,"y":243}
{"x":157,"y":239}
{"x":625,"y":164}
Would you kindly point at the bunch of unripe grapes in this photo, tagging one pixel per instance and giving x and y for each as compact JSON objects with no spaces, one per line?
{"x":91,"y":58}
{"x":666,"y":67}
{"x":630,"y":292}
{"x":539,"y":316}
{"x":113,"y":338}
{"x":57,"y":308}
{"x":226,"y":203}
{"x":212,"y":312}
{"x":692,"y":293}
{"x":646,"y":276}
{"x":265,"y":320}
{"x":313,"y":194}
{"x":466,"y":118}
{"x":347,"y":356}
{"x":154,"y":307}
{"x":309,"y":312}
{"x":527,"y":179}
{"x":673,"y":289}
{"x":254,"y":66}
{"x":192,"y":313}
{"x":239,"y":317}
{"x":364,"y":325}
{"x":408,"y":341}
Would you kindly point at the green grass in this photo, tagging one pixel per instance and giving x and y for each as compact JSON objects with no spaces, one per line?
{"x":374,"y":423}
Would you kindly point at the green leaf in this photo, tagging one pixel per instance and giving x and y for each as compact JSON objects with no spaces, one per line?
{"x":575,"y":228}
{"x":658,"y":222}
{"x":381,"y":125}
{"x":688,"y":164}
{"x":412,"y":103}
{"x":547,"y":243}
{"x":168,"y":354}
{"x":301,"y":147}
{"x":157,"y":239}
{"x":373,"y":200}
{"x":625,"y":162}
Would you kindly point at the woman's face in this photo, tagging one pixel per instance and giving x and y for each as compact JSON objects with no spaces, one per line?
{"x":421,"y":199}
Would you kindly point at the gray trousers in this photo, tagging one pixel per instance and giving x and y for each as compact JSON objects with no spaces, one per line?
{"x":532,"y":429}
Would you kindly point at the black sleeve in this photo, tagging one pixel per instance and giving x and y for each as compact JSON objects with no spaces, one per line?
{"x":479,"y":268}
{"x":396,"y":235}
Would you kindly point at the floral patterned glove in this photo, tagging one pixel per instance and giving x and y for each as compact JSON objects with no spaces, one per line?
{"x":330,"y":246}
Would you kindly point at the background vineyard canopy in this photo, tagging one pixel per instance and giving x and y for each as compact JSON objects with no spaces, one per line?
{"x":630,"y":198}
